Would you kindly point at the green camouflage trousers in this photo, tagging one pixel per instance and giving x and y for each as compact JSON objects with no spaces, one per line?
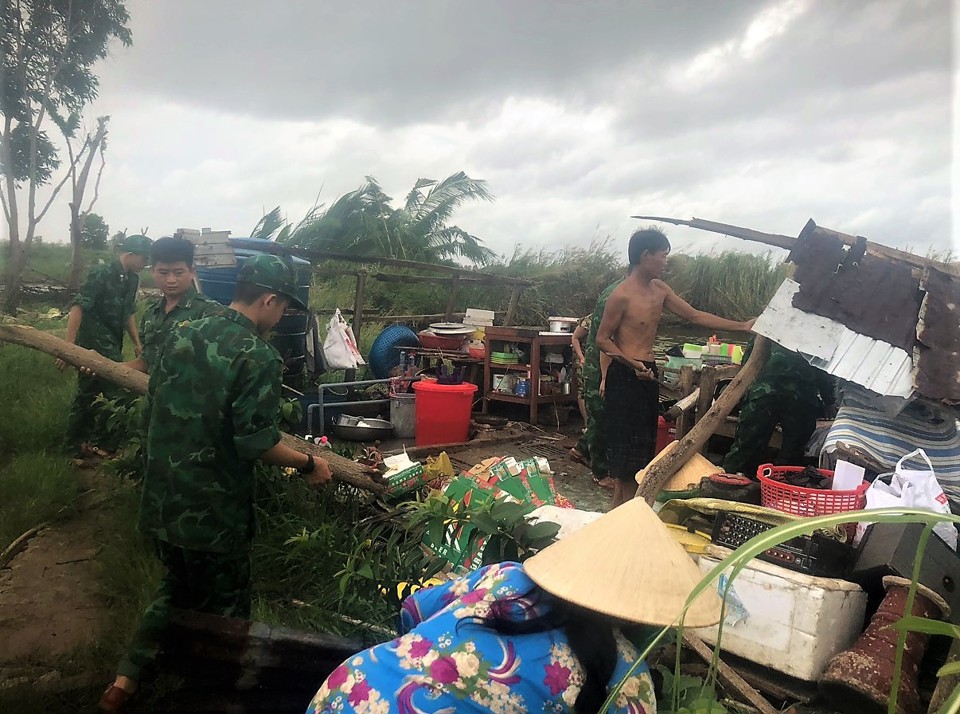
{"x":593,"y":442}
{"x":87,"y":422}
{"x":217,"y":583}
{"x":760,"y":413}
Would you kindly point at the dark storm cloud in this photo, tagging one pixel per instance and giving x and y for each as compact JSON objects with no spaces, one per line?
{"x":391,"y":62}
{"x":578,"y":114}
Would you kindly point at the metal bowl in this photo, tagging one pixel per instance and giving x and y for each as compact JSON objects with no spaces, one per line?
{"x":353,"y":428}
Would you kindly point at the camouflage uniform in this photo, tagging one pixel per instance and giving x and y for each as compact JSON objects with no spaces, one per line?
{"x":156,"y":322}
{"x":788,"y":392}
{"x":592,"y":443}
{"x":107,"y":298}
{"x":213,"y":406}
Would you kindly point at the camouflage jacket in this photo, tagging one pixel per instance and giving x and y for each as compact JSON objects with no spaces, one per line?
{"x":212,"y":409}
{"x":108,"y":299}
{"x":156,"y":322}
{"x":591,"y":355}
{"x":790,"y":376}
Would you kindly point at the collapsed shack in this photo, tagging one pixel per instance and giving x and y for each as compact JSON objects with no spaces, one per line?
{"x":878,"y":317}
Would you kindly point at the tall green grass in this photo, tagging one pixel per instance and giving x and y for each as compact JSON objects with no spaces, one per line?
{"x":729,"y":284}
{"x":567,"y":282}
{"x":36,"y":401}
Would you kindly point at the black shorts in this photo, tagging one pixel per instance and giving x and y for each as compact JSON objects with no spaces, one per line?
{"x":631,"y":413}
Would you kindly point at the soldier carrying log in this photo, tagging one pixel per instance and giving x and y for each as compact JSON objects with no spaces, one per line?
{"x":212,"y":410}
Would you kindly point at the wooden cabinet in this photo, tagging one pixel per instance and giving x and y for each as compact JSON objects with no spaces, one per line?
{"x":535,"y":346}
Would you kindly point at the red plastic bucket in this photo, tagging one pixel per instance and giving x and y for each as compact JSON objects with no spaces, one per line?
{"x":443,"y":412}
{"x":665,"y":434}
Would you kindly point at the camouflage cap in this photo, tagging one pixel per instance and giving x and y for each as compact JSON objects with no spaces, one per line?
{"x":272,"y":273}
{"x":136,"y":244}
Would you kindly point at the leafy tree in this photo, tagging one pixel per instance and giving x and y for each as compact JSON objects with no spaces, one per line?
{"x":95,"y":232}
{"x":48,"y":49}
{"x":363,"y":222}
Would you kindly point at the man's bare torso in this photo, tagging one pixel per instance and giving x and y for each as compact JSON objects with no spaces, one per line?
{"x":637,"y":330}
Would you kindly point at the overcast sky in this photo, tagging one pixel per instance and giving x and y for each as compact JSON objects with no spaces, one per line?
{"x":577,"y":114}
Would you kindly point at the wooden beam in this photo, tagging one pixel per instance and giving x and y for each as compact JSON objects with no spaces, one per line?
{"x":728,"y":677}
{"x":345,"y":470}
{"x":682,"y":405}
{"x":786,"y":242}
{"x":690,"y":444}
{"x":512,"y":306}
{"x":452,"y":297}
{"x":316,"y":256}
{"x":772,"y":239}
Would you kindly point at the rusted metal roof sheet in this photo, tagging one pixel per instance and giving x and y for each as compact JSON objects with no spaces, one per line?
{"x":834,"y":348}
{"x":938,"y":335}
{"x":872,"y":295}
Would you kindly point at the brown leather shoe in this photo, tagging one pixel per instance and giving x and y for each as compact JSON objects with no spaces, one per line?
{"x":114,"y":700}
{"x":577,"y":457}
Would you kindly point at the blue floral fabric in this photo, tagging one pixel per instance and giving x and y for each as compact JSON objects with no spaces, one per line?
{"x":445,"y":662}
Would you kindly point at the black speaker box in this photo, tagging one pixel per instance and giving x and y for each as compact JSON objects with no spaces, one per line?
{"x":890,"y":549}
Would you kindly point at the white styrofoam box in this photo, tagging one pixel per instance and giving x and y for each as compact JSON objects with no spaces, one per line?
{"x":791,"y":622}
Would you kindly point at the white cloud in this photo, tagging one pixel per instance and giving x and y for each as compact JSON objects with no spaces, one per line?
{"x":577,"y":115}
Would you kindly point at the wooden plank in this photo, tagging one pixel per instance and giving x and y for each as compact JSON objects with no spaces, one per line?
{"x":316,"y":256}
{"x":658,"y":473}
{"x":728,"y":677}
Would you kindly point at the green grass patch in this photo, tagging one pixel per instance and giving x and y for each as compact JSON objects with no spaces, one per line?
{"x":36,"y":401}
{"x":37,"y":487}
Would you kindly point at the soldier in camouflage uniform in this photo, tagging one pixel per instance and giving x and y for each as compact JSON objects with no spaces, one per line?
{"x":99,"y":314}
{"x":592,"y":444}
{"x":171,"y":264}
{"x":212,"y":410}
{"x":789,"y":392}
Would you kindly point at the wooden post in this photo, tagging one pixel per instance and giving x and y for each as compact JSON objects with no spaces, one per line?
{"x":686,"y":380}
{"x":512,"y":306}
{"x":358,"y":304}
{"x":708,"y":387}
{"x":452,"y":298}
{"x":686,"y":387}
{"x":690,"y":444}
{"x":350,"y":472}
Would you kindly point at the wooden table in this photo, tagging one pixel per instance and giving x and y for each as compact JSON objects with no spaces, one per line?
{"x":536,"y":340}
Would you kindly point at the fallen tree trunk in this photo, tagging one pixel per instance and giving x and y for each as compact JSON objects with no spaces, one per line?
{"x":345,"y":470}
{"x":661,"y":471}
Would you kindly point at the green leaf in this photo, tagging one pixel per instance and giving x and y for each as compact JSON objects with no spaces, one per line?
{"x":365,"y":571}
{"x":950,"y":668}
{"x":912,"y":623}
{"x":485,"y":522}
{"x":544,"y":530}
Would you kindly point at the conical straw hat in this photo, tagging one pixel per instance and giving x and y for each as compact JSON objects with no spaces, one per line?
{"x":689,"y":475}
{"x":627,"y":565}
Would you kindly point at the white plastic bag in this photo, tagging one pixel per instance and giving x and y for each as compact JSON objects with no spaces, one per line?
{"x":339,"y":348}
{"x":912,"y":489}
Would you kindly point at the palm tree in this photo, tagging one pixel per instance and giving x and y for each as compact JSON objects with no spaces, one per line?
{"x":362,"y":222}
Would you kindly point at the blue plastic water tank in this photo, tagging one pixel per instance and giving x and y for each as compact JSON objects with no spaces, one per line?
{"x":384,"y":354}
{"x":289,"y":336}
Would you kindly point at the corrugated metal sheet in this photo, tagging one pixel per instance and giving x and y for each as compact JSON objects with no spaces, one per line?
{"x":834,"y":348}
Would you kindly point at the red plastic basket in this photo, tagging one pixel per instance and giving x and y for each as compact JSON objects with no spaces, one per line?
{"x":806,"y":501}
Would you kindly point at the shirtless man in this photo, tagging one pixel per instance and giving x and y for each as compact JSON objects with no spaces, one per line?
{"x":627,"y":333}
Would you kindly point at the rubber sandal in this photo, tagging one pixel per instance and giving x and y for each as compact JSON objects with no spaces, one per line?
{"x":114,"y":700}
{"x":576,"y":457}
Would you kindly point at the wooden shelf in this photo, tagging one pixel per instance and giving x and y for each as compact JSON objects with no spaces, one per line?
{"x":537,"y":342}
